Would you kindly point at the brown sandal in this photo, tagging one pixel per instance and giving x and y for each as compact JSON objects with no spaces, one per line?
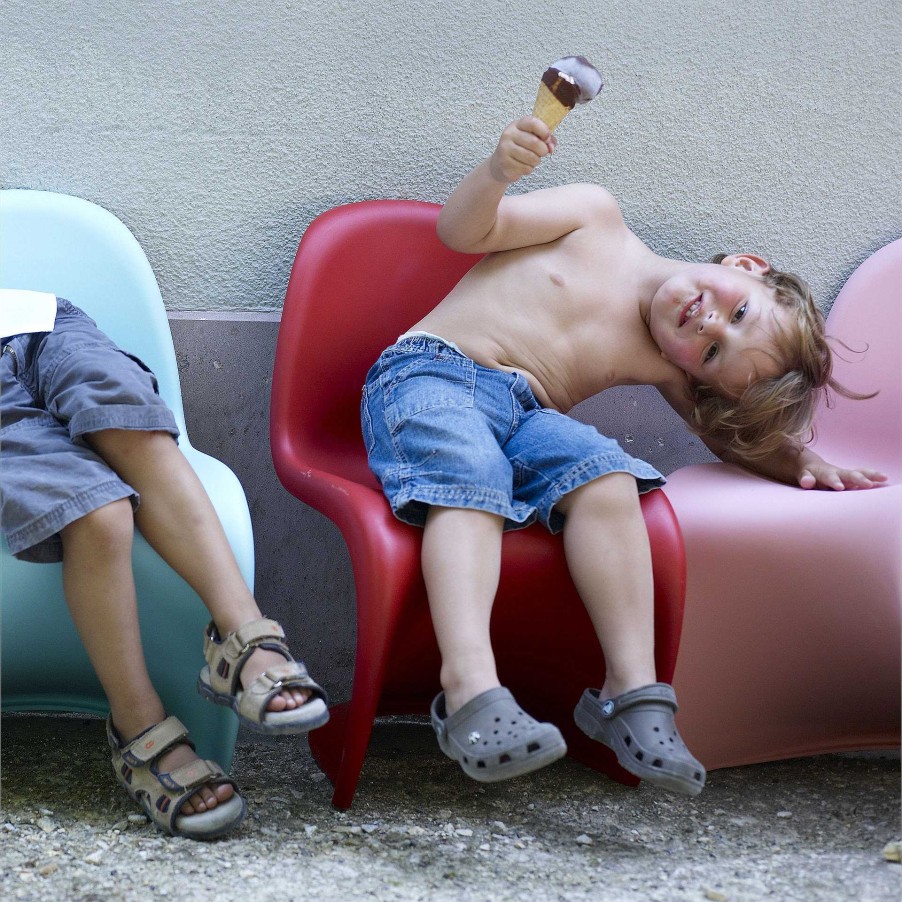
{"x":162,"y":794}
{"x":219,"y":680}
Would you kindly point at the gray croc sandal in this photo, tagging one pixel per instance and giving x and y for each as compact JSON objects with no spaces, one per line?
{"x":639,"y":727}
{"x":220,"y":680}
{"x":162,"y":793}
{"x":493,"y":739}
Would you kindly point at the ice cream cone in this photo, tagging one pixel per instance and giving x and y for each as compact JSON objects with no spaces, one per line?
{"x":548,"y":108}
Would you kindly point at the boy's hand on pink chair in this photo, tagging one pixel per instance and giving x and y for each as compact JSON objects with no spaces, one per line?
{"x":823,"y":475}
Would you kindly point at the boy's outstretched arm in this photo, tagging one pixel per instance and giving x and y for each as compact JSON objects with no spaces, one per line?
{"x":793,"y":463}
{"x":477,"y":218}
{"x":797,"y":465}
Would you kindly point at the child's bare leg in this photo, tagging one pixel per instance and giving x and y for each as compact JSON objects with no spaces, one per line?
{"x":100,"y":593}
{"x":461,"y":567}
{"x":179,"y":521}
{"x":609,"y":557}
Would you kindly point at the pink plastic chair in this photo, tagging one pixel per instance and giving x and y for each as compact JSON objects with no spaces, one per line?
{"x":363,"y":273}
{"x":791,"y":636}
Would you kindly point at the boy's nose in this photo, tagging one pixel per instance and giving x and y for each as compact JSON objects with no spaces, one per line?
{"x":710,"y":322}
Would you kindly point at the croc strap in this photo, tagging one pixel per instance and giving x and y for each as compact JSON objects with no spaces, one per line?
{"x":661,"y":693}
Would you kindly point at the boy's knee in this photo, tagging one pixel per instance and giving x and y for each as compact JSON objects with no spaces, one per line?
{"x":615,"y":494}
{"x":110,"y":528}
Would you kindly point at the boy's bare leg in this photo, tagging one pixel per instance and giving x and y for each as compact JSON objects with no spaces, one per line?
{"x":100,"y":593}
{"x":609,"y":558}
{"x":461,"y":566}
{"x":179,"y":521}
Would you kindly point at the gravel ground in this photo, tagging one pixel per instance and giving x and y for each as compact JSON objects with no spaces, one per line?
{"x":812,"y":830}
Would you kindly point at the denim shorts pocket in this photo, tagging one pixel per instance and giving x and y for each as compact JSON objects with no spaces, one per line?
{"x":429,"y":382}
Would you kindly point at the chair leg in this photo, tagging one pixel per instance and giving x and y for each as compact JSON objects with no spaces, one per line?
{"x":339,"y":747}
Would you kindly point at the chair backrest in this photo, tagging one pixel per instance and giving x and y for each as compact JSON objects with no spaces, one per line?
{"x":363,"y":274}
{"x":867,"y":317}
{"x":77,"y":250}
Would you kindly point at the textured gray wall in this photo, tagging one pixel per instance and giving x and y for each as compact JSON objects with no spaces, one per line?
{"x":217,"y":131}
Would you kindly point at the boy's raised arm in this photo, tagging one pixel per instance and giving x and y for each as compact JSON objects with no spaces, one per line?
{"x":477,"y":218}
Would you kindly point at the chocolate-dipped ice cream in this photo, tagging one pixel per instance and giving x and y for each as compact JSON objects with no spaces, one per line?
{"x":565,"y":83}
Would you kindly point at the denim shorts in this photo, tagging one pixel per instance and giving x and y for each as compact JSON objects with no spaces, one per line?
{"x":440,"y":429}
{"x":56,"y":387}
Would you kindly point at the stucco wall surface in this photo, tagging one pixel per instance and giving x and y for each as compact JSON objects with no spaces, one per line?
{"x":217,"y":131}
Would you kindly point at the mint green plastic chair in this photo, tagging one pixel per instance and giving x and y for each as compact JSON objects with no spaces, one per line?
{"x":77,"y":250}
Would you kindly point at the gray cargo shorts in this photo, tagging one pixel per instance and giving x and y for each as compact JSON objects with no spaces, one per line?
{"x":55,"y":388}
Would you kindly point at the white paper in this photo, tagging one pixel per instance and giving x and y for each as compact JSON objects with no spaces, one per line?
{"x":26,"y":311}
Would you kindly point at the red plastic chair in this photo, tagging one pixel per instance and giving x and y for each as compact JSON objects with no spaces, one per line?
{"x":363,"y":273}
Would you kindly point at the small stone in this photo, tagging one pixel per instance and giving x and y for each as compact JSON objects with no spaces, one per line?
{"x":416,"y":831}
{"x":369,"y":828}
{"x":463,"y":831}
{"x":485,"y":847}
{"x":499,"y":826}
{"x":94,"y":857}
{"x":784,"y":814}
{"x":48,"y":869}
{"x":892,"y":851}
{"x":584,"y":839}
{"x":716,"y":895}
{"x":137,"y":818}
{"x":47,"y":825}
{"x":310,"y":829}
{"x":443,"y":814}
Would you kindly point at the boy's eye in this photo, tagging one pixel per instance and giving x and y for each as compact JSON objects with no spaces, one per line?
{"x":740,"y":312}
{"x":711,"y":353}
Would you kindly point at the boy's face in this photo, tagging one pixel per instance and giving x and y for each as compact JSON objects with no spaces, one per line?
{"x":717,"y":322}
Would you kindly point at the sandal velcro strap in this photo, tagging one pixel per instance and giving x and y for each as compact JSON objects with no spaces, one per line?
{"x":189,"y":776}
{"x":661,"y":693}
{"x":227,"y":656}
{"x":290,"y":675}
{"x":153,"y":742}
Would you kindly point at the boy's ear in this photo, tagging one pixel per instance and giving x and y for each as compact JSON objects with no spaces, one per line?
{"x":750,"y":263}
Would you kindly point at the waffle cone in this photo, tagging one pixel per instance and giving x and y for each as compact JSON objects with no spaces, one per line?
{"x":548,"y":108}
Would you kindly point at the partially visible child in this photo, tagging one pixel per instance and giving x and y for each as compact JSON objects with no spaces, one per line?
{"x":88,"y":452}
{"x":465,"y":428}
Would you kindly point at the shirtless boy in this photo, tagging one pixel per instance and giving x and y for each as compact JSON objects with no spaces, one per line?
{"x":465,"y":428}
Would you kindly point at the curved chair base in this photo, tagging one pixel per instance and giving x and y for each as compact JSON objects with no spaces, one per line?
{"x":791,"y":635}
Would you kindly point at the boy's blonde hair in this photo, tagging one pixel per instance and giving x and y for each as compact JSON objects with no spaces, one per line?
{"x":773,"y":410}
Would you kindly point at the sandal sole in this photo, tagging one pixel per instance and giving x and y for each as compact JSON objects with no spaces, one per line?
{"x":271,"y":726}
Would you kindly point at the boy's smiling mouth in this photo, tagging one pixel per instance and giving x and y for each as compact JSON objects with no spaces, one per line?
{"x":690,"y":310}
